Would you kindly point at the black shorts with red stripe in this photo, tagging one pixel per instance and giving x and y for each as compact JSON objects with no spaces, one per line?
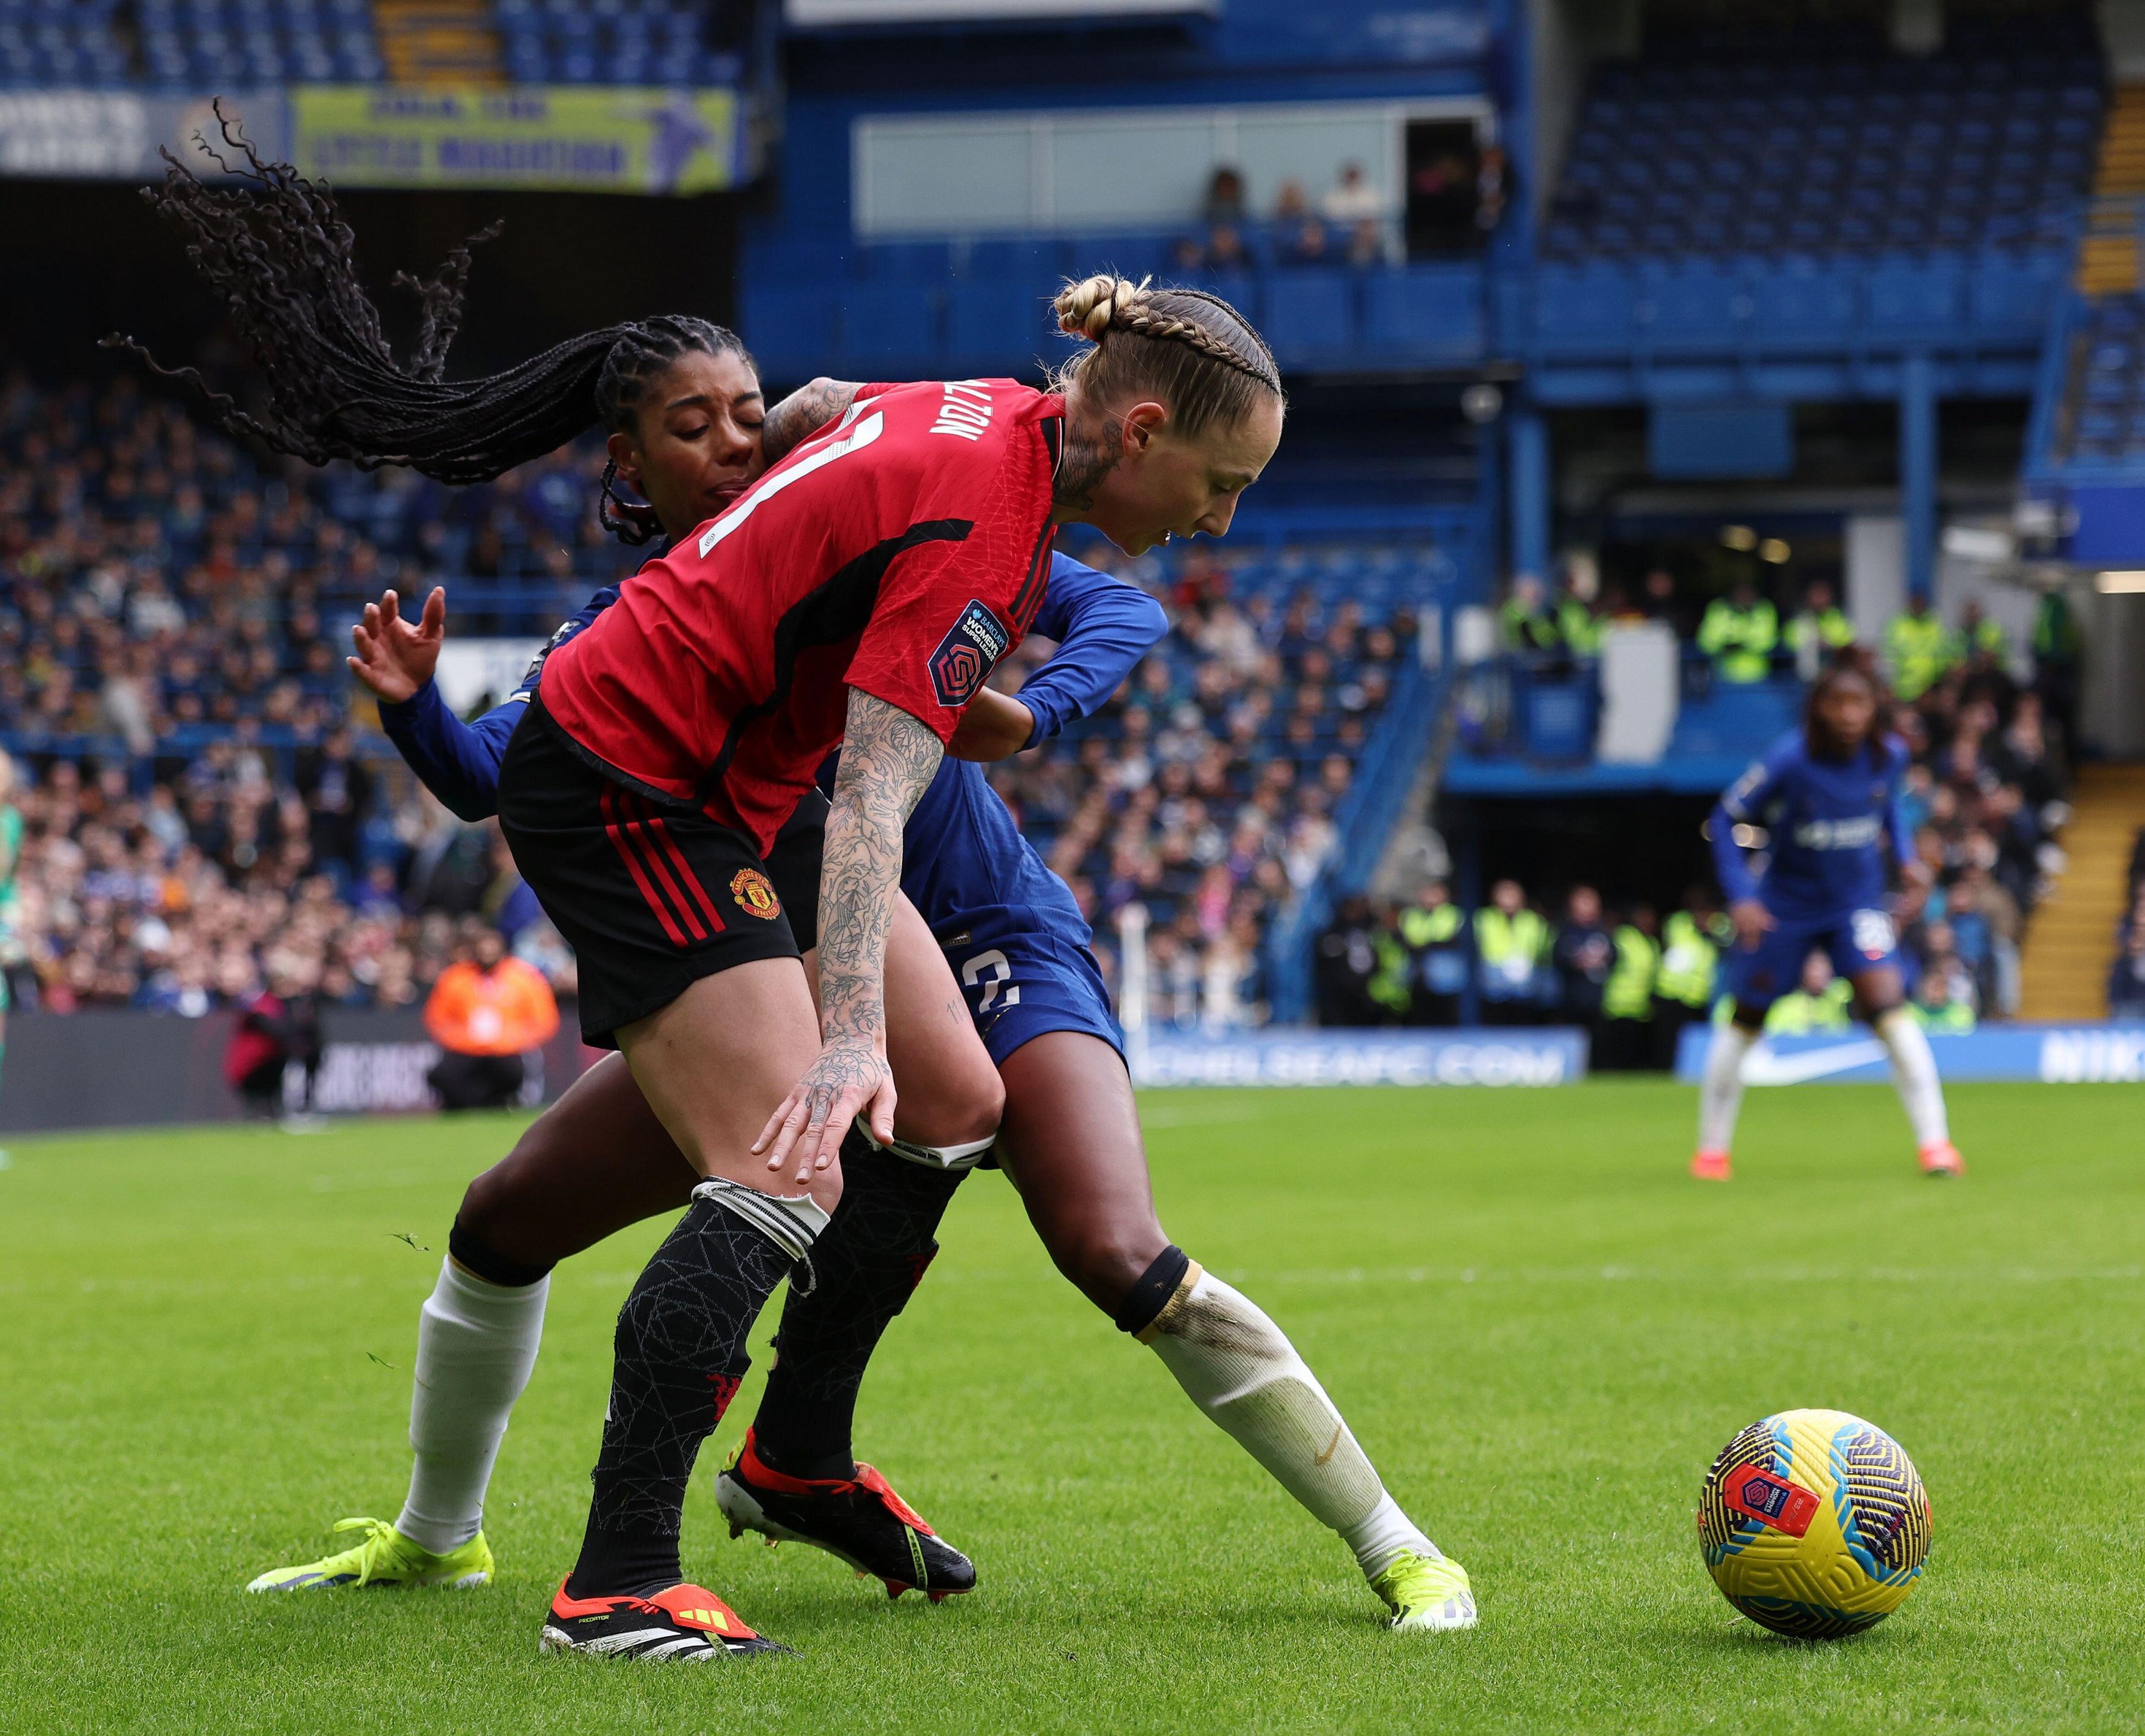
{"x":651,"y":897}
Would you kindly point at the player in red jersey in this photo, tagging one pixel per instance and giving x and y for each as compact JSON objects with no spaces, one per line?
{"x":1162,"y":437}
{"x":859,"y":593}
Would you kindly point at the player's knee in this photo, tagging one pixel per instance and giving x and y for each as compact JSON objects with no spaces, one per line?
{"x":1106,"y":1263}
{"x":959,"y":1110}
{"x":490,"y":1237}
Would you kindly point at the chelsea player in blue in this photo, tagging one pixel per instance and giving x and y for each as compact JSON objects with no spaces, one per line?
{"x":1829,"y":800}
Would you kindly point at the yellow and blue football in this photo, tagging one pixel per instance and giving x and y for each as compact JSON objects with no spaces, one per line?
{"x":1815,"y":1523}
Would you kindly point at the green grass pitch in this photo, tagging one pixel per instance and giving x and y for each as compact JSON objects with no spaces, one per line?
{"x":1541,"y":1331}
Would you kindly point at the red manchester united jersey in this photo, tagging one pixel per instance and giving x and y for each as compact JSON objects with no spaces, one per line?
{"x":901,"y":550}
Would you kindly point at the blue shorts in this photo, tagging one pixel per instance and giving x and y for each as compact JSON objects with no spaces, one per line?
{"x":1021,"y":985}
{"x":1856,"y":941}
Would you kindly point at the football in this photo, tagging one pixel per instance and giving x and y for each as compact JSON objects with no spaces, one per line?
{"x":1815,"y":1523}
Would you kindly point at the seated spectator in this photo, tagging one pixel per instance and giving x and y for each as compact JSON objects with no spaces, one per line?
{"x":1822,"y":1002}
{"x":1817,"y":631}
{"x":1351,"y":199}
{"x":1684,"y":986}
{"x":1524,"y":620}
{"x":1349,"y":957}
{"x":1624,"y":1039}
{"x":1512,"y":957}
{"x":1917,"y":649}
{"x":487,"y":1011}
{"x":1937,"y":1006}
{"x":278,"y":1026}
{"x":1584,"y":955}
{"x":1739,"y":632}
{"x":1308,"y":243}
{"x":1981,"y":641}
{"x":1436,"y":936}
{"x":1300,"y":236}
{"x":1224,"y":203}
{"x":1580,"y":623}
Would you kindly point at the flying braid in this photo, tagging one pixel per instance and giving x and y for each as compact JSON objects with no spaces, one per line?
{"x":276,"y":249}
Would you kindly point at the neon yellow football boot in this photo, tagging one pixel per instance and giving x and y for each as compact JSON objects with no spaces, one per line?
{"x":384,"y":1556}
{"x":1427,"y":1595}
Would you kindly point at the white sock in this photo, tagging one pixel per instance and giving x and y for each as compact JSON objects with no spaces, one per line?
{"x":1236,"y":1365}
{"x":476,"y":1344}
{"x":1915,"y":1073}
{"x":1720,"y":1093}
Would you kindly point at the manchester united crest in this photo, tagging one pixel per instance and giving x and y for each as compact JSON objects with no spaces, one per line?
{"x":755,"y":894}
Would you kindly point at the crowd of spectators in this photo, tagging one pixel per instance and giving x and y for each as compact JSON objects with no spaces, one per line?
{"x":155,"y":577}
{"x":197,"y":892}
{"x":1747,"y":636}
{"x":196,"y":814}
{"x":1986,"y":798}
{"x":1206,"y":791}
{"x":1349,"y":223}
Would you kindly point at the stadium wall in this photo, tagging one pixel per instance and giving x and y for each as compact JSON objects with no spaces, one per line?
{"x":122,"y":1069}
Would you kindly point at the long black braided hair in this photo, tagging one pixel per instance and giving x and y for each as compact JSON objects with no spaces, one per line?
{"x":275,"y":248}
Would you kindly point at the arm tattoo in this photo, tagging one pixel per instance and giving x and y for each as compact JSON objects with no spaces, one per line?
{"x":803,"y":412}
{"x":1088,"y":458}
{"x":888,"y":757}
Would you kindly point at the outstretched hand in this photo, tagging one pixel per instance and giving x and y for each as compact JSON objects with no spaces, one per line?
{"x":849,"y":1078}
{"x":393,"y":658}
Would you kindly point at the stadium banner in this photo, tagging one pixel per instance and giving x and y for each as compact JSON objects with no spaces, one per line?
{"x":557,"y":137}
{"x":116,"y":135}
{"x":60,"y":1073}
{"x":2054,"y":1054}
{"x":1552,"y":1056}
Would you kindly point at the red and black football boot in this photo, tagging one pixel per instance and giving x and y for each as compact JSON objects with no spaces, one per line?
{"x":860,"y":1521}
{"x":687,"y":1624}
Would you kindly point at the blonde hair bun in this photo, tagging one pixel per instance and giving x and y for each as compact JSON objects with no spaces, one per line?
{"x":1088,"y":309}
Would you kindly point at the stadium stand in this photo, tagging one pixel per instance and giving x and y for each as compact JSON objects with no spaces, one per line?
{"x":620,"y":42}
{"x":60,"y":43}
{"x":1958,"y":150}
{"x":190,"y":47}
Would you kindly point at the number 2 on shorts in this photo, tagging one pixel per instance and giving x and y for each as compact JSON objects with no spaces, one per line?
{"x":990,"y":970}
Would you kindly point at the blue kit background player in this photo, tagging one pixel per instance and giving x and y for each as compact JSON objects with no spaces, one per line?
{"x":1829,"y":799}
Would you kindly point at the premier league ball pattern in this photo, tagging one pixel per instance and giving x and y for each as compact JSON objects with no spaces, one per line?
{"x":1815,"y":1523}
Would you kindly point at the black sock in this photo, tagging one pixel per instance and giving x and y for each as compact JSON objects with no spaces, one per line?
{"x":679,"y":1355}
{"x":868,"y":1263}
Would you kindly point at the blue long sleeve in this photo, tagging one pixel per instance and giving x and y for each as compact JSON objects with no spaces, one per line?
{"x":458,"y":762}
{"x":1103,"y":627}
{"x":1739,"y":805}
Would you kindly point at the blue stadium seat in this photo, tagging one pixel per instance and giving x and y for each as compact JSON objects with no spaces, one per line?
{"x":1697,"y":307}
{"x":1583,"y":311}
{"x":1310,"y":314}
{"x":1908,"y":299}
{"x":1424,"y":313}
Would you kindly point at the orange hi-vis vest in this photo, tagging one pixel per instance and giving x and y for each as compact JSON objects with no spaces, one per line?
{"x":500,"y":1012}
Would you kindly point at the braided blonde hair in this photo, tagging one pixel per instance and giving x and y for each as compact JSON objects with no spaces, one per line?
{"x":1187,"y":348}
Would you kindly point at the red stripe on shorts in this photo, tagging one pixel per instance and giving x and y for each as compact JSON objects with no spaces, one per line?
{"x":660,"y":830}
{"x":640,"y":826}
{"x":629,"y":855}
